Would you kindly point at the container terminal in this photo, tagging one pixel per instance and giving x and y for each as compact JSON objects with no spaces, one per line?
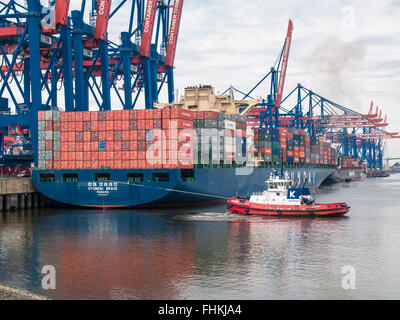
{"x":115,"y":144}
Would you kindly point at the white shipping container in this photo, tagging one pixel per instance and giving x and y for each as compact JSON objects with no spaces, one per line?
{"x":48,"y":115}
{"x":229,"y":148}
{"x":229,"y":124}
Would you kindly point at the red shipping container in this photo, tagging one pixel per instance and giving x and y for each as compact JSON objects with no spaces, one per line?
{"x":71,"y":126}
{"x":132,"y":163}
{"x":93,"y":156}
{"x":133,"y":154}
{"x":79,"y":164}
{"x":124,"y":125}
{"x":109,"y":155}
{"x":213,"y":115}
{"x":132,"y":114}
{"x":63,"y":117}
{"x":117,"y":124}
{"x":141,"y":124}
{"x":109,"y":136}
{"x":141,"y":114}
{"x":71,"y":165}
{"x":71,"y":156}
{"x":149,"y":124}
{"x":102,"y":163}
{"x":41,"y":115}
{"x":71,"y":146}
{"x":165,"y":124}
{"x":102,"y":125}
{"x":86,"y":116}
{"x":79,"y":156}
{"x":64,"y":126}
{"x":117,"y":114}
{"x":94,"y":126}
{"x":102,"y":135}
{"x":142,"y":135}
{"x":117,"y":145}
{"x":94,"y":116}
{"x":64,"y":155}
{"x":71,"y":136}
{"x":57,"y":165}
{"x":141,"y":155}
{"x":109,"y":125}
{"x":125,"y":164}
{"x":94,"y":146}
{"x":64,"y":164}
{"x":185,"y":124}
{"x":110,"y":146}
{"x":86,"y":146}
{"x":78,"y":116}
{"x":86,"y":136}
{"x":125,"y":154}
{"x":103,"y":155}
{"x":117,"y":155}
{"x":110,"y":163}
{"x":186,"y":114}
{"x":166,"y":113}
{"x":150,"y":114}
{"x":78,"y":126}
{"x":71,"y":116}
{"x":125,"y":135}
{"x":133,"y":135}
{"x":157,"y":113}
{"x":133,"y":145}
{"x":109,"y":115}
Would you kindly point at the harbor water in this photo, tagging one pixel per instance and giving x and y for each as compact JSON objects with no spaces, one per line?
{"x":207,"y":253}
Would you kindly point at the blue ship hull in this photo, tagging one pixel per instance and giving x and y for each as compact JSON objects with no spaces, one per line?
{"x":208,"y":185}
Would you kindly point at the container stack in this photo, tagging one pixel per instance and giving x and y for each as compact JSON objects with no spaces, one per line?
{"x":48,"y":139}
{"x":168,"y":138}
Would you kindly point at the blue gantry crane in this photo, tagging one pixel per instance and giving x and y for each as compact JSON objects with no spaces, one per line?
{"x":51,"y":57}
{"x":357,"y":135}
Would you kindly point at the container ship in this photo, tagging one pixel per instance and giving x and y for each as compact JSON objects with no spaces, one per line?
{"x":197,"y":151}
{"x":350,"y":169}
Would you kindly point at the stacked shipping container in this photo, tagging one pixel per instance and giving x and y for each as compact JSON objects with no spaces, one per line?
{"x":167,"y":138}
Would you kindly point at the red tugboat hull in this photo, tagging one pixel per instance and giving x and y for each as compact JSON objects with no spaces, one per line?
{"x":242,"y":206}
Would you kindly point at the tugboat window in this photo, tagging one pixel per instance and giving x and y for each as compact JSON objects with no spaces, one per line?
{"x":70,"y":177}
{"x":135,"y":177}
{"x":102,"y":177}
{"x":47,"y":177}
{"x":160,"y":177}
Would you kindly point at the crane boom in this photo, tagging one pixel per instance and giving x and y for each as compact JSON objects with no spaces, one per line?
{"x":173,"y":33}
{"x":285,"y":59}
{"x":148,"y":26}
{"x":62,"y":7}
{"x":103,"y":16}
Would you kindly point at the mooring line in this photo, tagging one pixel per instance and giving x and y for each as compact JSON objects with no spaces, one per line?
{"x":174,"y":190}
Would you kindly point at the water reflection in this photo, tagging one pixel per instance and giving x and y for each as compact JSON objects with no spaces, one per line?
{"x":207,"y":253}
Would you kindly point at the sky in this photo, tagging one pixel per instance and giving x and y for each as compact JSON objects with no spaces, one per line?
{"x":345,"y":50}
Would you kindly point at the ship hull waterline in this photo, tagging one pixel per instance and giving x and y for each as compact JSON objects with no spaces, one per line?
{"x":209,"y":185}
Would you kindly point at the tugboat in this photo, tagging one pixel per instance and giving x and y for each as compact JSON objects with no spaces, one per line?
{"x":282,"y":198}
{"x":377,"y":173}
